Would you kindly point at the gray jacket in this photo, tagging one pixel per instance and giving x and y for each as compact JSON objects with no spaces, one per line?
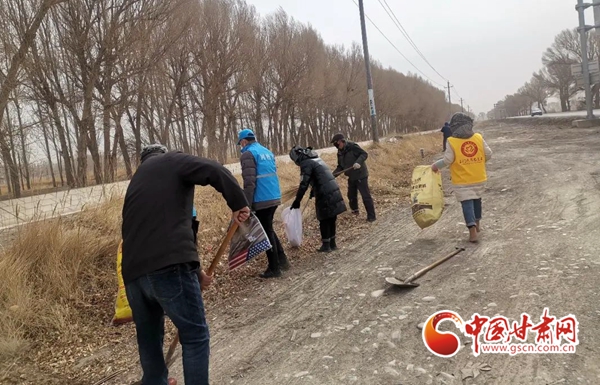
{"x":249,"y":176}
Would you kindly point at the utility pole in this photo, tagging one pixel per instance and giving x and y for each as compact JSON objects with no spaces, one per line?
{"x":363,"y":26}
{"x":581,"y":7}
{"x":449,"y":99}
{"x":461,"y":105}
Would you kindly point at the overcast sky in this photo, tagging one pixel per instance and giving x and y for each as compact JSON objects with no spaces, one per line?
{"x":486,"y":48}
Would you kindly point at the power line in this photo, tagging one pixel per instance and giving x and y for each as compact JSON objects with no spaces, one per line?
{"x":398,"y":24}
{"x":402,"y":30}
{"x":456,"y":93}
{"x":396,"y":48}
{"x":454,"y":88}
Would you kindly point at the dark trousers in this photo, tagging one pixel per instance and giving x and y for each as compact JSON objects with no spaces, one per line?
{"x":276,"y":252}
{"x":174,"y":291}
{"x":362,"y":185}
{"x":327,"y":227}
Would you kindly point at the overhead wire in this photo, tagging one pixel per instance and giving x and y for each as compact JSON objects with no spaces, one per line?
{"x":406,"y":35}
{"x":392,"y":15}
{"x":457,"y":94}
{"x":400,"y":52}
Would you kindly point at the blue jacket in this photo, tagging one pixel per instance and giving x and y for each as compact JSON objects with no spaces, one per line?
{"x":259,"y":171}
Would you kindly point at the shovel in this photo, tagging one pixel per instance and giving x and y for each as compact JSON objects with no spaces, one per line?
{"x":408,"y":283}
{"x":234,"y":226}
{"x":343,"y":171}
{"x":170,"y":357}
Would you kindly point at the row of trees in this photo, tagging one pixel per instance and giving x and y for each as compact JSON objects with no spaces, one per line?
{"x":101,"y":78}
{"x":554,"y":79}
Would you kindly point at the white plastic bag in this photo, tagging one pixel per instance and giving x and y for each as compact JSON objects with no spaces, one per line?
{"x":292,"y":219}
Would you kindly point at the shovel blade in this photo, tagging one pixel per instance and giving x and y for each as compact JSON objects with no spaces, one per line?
{"x":398,"y":283}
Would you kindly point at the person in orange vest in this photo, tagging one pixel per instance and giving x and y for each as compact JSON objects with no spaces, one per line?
{"x":466,"y":154}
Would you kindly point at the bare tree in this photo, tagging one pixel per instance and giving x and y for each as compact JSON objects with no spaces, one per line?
{"x":105,"y":77}
{"x":26,"y":26}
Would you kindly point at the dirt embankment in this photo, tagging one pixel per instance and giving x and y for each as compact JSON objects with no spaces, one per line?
{"x":332,"y":320}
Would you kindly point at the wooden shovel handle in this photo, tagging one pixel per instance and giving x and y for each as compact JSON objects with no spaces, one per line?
{"x":433,"y":265}
{"x":215,"y":262}
{"x":343,"y":171}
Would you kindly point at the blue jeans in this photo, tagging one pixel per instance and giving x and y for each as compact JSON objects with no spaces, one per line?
{"x":174,"y":291}
{"x":471,"y":211}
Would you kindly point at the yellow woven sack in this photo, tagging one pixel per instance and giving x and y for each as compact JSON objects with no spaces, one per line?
{"x":427,"y":196}
{"x":122,"y":310}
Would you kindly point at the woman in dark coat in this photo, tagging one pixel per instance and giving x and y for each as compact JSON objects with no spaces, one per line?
{"x":329,"y":202}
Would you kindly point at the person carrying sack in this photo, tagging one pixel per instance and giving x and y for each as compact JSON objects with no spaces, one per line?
{"x":351,"y":155}
{"x":466,"y":154}
{"x":329,"y":202}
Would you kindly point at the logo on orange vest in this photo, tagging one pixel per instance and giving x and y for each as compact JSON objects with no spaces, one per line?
{"x":469,"y":149}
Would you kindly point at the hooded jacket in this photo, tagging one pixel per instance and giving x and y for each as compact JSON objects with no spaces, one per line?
{"x":316,"y":174}
{"x":157,"y":229}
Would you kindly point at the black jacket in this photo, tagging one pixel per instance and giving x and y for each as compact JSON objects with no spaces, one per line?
{"x":447,"y":131}
{"x":157,"y":229}
{"x":328,"y":197}
{"x":350,"y":154}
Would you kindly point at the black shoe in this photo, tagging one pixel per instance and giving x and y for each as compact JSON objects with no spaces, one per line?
{"x":283,"y":263}
{"x":332,"y":244}
{"x":355,"y":212}
{"x":270,"y":274}
{"x":371,"y":219}
{"x":325,"y":248}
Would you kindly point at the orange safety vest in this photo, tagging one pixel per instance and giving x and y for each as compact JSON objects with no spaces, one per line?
{"x":469,"y":160}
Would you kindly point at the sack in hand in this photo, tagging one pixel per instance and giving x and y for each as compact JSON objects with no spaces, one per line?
{"x":426,"y":196}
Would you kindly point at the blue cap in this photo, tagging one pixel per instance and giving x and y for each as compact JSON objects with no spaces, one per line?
{"x":245,"y":134}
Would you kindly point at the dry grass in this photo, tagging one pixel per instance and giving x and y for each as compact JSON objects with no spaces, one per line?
{"x":53,"y":268}
{"x":57,"y":278}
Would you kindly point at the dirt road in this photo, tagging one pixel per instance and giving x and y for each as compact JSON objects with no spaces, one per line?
{"x":326,"y":322}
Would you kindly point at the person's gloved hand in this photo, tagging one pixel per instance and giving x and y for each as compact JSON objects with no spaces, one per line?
{"x":296,"y":205}
{"x":356,"y":166}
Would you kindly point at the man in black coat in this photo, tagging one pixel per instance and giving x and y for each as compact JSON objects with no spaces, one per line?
{"x":329,"y":202}
{"x":447,"y":131}
{"x":160,"y":266}
{"x":351,"y":155}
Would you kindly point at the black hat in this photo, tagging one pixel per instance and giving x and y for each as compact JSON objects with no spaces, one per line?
{"x":337,"y":137}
